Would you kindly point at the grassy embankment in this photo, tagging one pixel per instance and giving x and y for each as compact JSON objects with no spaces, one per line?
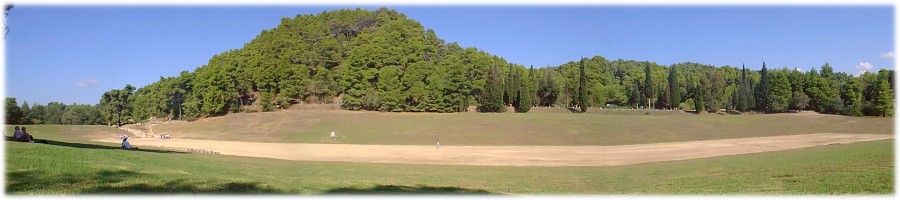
{"x":566,"y":129}
{"x":79,"y":166}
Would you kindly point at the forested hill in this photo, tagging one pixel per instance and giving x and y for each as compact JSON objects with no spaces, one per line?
{"x":381,"y":60}
{"x":373,"y":60}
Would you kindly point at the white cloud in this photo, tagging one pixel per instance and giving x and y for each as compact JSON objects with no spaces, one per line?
{"x":887,"y":55}
{"x":85,"y":82}
{"x":863,"y":67}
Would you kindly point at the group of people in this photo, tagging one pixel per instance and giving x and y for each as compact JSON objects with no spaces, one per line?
{"x":21,"y":135}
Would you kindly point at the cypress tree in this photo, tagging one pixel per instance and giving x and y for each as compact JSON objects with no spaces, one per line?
{"x":529,"y":97}
{"x":674,"y":86}
{"x":582,"y":89}
{"x":492,"y":98}
{"x":649,"y":90}
{"x":762,"y":91}
{"x":525,"y":95}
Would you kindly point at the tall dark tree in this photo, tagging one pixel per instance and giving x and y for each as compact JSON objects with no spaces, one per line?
{"x":649,"y":86}
{"x":674,"y":87}
{"x":527,"y":92}
{"x":583,"y":100}
{"x":762,"y":91}
{"x":492,"y":98}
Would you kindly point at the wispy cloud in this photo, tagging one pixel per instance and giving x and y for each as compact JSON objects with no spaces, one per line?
{"x":887,"y":55}
{"x":863,"y":67}
{"x":85,"y":82}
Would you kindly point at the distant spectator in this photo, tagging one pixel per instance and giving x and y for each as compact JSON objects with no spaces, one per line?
{"x":25,"y":136}
{"x":125,"y":143}
{"x":18,"y":134}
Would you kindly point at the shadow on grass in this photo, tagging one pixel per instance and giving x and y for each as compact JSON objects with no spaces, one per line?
{"x":122,"y":182}
{"x":97,"y":146}
{"x":394,"y":189}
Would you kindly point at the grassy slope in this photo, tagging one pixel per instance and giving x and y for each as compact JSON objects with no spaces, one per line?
{"x":84,"y":167}
{"x":509,"y":128}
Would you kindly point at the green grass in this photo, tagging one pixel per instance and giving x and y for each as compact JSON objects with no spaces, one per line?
{"x":566,"y":129}
{"x":81,"y":167}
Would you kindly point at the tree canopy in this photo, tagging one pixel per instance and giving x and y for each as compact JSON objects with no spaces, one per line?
{"x":382,"y":61}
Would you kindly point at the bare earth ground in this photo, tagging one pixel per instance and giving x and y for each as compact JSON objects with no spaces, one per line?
{"x":449,"y":154}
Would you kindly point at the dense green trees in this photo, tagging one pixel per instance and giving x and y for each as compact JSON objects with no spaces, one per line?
{"x":779,"y":95}
{"x":13,"y":111}
{"x":381,"y":60}
{"x":492,"y":98}
{"x":526,"y":97}
{"x":673,"y":91}
{"x":583,"y":102}
{"x":115,"y":105}
{"x":52,"y":113}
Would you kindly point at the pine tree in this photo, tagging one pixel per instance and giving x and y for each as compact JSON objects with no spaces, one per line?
{"x":780,"y":92}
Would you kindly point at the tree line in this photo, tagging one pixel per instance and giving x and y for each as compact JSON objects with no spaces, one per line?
{"x":382,"y":61}
{"x":52,"y":113}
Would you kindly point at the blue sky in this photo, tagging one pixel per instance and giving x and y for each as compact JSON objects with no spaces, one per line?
{"x":74,"y":54}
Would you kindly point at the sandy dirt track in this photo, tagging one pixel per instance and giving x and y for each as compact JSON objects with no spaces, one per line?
{"x":509,"y":155}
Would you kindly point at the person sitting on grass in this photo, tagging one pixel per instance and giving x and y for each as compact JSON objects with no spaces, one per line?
{"x":30,"y":138}
{"x":18,"y":134}
{"x":125,"y":143}
{"x":24,"y":136}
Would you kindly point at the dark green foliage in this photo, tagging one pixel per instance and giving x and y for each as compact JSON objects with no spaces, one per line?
{"x":53,"y":113}
{"x":381,"y":60}
{"x":13,"y":111}
{"x":851,"y":94}
{"x":799,"y":101}
{"x":779,"y":95}
{"x":822,"y":92}
{"x":885,"y":98}
{"x":583,"y":99}
{"x":492,"y":98}
{"x":115,"y":106}
{"x":81,"y":115}
{"x":649,"y":86}
{"x":548,"y":90}
{"x":527,"y":95}
{"x":762,"y":91}
{"x":674,"y":88}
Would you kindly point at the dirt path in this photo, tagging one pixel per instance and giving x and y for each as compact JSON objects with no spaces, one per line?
{"x":510,"y":155}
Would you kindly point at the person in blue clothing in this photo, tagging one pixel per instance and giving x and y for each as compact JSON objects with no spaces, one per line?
{"x":125,"y":143}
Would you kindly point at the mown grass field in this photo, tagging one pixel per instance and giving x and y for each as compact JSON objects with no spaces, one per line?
{"x":504,"y":129}
{"x":79,"y":166}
